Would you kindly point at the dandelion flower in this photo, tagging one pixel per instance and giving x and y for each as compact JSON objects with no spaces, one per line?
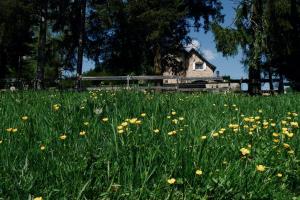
{"x":172,"y":133}
{"x":156,"y":130}
{"x":279,"y":175}
{"x":105,"y":119}
{"x":203,"y":137}
{"x":120,"y":127}
{"x":276,"y":140}
{"x":63,"y":137}
{"x":86,"y":123}
{"x":24,"y":118}
{"x":175,"y":121}
{"x":171,"y":181}
{"x":199,"y":172}
{"x":143,"y":114}
{"x":42,"y":147}
{"x":260,"y":168}
{"x":133,"y":120}
{"x":285,"y":145}
{"x":124,"y":124}
{"x":121,"y":131}
{"x":38,"y":198}
{"x":82,"y":133}
{"x":173,"y":113}
{"x":215,"y":134}
{"x":9,"y":129}
{"x":245,"y":151}
{"x":181,"y":118}
{"x":14,"y":130}
{"x":275,"y":134}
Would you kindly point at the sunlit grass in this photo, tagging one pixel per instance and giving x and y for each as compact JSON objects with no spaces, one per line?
{"x":135,"y":145}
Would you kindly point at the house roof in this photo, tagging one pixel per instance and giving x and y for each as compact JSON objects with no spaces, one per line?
{"x":194,"y":51}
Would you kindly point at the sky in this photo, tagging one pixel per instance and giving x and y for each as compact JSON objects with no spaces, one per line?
{"x":204,"y":42}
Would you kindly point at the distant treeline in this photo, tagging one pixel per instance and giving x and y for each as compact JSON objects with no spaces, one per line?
{"x":39,"y":39}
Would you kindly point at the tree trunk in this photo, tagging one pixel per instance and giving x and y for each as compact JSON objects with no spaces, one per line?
{"x":2,"y":64}
{"x":271,"y":80}
{"x":254,"y":85}
{"x":157,"y":64}
{"x":157,"y":60}
{"x":41,"y":59}
{"x":81,"y":42}
{"x":281,"y":85}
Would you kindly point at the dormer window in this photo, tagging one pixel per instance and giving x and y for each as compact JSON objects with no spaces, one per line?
{"x":199,"y":66}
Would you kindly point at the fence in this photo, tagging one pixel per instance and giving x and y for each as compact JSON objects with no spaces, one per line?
{"x":168,"y":83}
{"x":177,"y":83}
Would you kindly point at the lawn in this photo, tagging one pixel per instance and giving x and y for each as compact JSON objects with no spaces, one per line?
{"x":143,"y":145}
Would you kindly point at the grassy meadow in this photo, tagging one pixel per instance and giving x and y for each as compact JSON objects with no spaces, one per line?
{"x":143,"y":145}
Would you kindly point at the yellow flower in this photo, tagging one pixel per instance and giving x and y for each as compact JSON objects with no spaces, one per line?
{"x":82,"y":133}
{"x":199,"y":172}
{"x":215,"y":134}
{"x":173,"y":113}
{"x":285,"y":145}
{"x":133,"y":120}
{"x":42,"y":147}
{"x":24,"y":118}
{"x":236,"y":130}
{"x":143,"y":114}
{"x":105,"y":119}
{"x":9,"y":129}
{"x":121,"y":131}
{"x":265,"y":123}
{"x":257,"y":117}
{"x":138,"y":122}
{"x":175,"y":121}
{"x":56,"y":107}
{"x":181,"y":118}
{"x":1,"y":141}
{"x":295,"y":124}
{"x":124,"y":124}
{"x":260,"y":168}
{"x":283,"y":122}
{"x":275,"y":134}
{"x":63,"y":137}
{"x":279,"y":175}
{"x":260,"y":111}
{"x":291,"y":152}
{"x":38,"y":198}
{"x":245,"y":151}
{"x":273,"y":124}
{"x":120,"y":127}
{"x":276,"y":140}
{"x":168,"y":117}
{"x":86,"y":123}
{"x":156,"y":130}
{"x":295,"y":114}
{"x":203,"y":137}
{"x":171,"y":181}
{"x":172,"y":133}
{"x":290,"y":134}
{"x":14,"y":130}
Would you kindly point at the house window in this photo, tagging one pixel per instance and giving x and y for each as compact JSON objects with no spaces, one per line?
{"x":199,"y":66}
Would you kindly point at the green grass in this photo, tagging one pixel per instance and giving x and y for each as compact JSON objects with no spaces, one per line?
{"x":136,"y":164}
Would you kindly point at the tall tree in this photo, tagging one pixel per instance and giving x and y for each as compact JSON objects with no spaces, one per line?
{"x":15,"y":37}
{"x":42,"y":8}
{"x":247,"y":34}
